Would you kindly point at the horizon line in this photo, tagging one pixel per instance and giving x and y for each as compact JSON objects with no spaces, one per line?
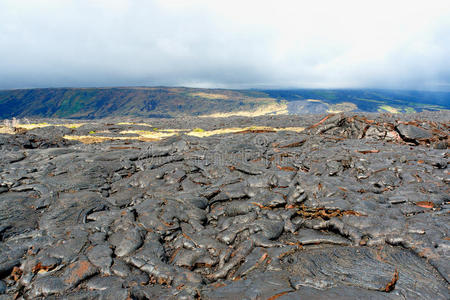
{"x":222,"y":88}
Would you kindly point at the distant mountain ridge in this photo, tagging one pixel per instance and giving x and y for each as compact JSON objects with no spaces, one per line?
{"x":169,"y":102}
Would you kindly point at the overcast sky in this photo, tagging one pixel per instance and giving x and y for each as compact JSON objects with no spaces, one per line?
{"x":226,"y":43}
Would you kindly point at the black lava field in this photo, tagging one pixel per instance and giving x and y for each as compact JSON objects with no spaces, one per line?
{"x":355,"y":206}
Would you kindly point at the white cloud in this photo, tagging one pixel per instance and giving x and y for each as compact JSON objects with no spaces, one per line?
{"x":393,"y":44}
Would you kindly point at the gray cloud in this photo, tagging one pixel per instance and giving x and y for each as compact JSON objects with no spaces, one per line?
{"x":237,"y":44}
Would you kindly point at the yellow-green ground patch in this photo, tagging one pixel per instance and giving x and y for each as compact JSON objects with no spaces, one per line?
{"x":209,"y":95}
{"x":270,"y":109}
{"x":150,"y":134}
{"x":41,"y":125}
{"x":388,"y":108}
{"x":91,"y":139}
{"x":206,"y":133}
{"x":7,"y":130}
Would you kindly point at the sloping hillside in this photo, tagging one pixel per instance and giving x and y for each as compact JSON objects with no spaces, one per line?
{"x":167,"y":102}
{"x":146,"y":102}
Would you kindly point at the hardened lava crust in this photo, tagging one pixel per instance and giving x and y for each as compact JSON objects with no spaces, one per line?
{"x":343,"y":206}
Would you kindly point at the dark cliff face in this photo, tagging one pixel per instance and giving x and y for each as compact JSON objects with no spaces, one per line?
{"x":353,"y":206}
{"x":164,"y":102}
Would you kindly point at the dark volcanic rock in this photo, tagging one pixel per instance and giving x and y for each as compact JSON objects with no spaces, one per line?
{"x":413,"y":132}
{"x":353,"y":207}
{"x":343,"y":266}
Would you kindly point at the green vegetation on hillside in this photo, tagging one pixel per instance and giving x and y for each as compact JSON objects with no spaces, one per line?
{"x":141,"y":102}
{"x":90,"y":103}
